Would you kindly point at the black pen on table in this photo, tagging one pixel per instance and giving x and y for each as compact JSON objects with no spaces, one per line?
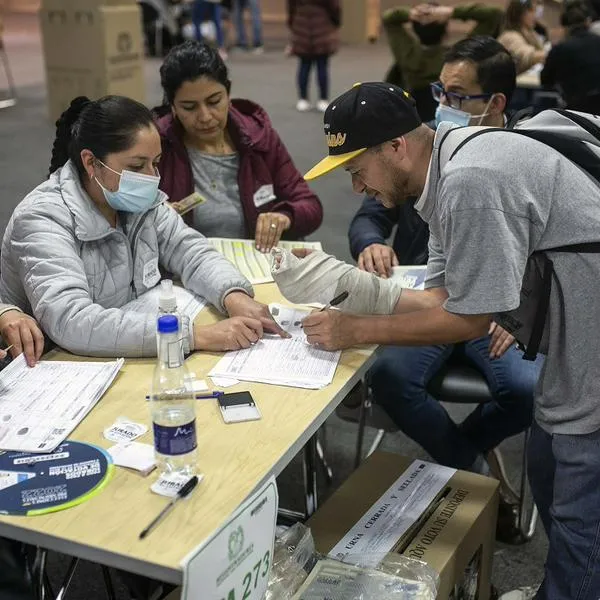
{"x":186,"y":490}
{"x":337,"y":300}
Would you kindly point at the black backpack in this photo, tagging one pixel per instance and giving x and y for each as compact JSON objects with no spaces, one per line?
{"x":577,"y":137}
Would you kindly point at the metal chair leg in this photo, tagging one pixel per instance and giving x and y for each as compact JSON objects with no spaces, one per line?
{"x":376,"y":442}
{"x":309,"y":472}
{"x":327,"y":471}
{"x":68,"y":578}
{"x":362,"y":421}
{"x":39,"y":573}
{"x":527,"y":518}
{"x":108,"y":584}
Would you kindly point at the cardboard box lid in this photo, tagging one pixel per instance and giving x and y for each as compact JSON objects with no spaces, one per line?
{"x":456,"y":526}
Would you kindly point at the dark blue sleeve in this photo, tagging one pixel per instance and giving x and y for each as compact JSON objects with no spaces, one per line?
{"x":372,"y":224}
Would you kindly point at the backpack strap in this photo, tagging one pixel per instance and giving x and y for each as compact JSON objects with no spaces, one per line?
{"x":539,"y":321}
{"x":584,"y":123}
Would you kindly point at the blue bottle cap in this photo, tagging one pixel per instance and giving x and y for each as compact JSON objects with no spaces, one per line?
{"x":168,"y":324}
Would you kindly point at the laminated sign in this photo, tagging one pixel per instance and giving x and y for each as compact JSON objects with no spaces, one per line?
{"x":235,"y":563}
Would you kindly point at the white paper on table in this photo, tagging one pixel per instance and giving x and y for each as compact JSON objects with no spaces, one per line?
{"x":134,"y":455}
{"x":412,"y":277}
{"x":40,"y":406}
{"x":289,"y":319}
{"x":288,"y":362}
{"x":251,"y":263}
{"x":224,"y":382}
{"x":392,"y":515}
{"x":188,"y":303}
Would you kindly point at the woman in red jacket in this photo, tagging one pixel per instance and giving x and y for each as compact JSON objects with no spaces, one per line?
{"x":228,"y":155}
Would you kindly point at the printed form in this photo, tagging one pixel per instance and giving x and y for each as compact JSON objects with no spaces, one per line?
{"x":290,"y":362}
{"x":251,"y":263}
{"x":40,"y":406}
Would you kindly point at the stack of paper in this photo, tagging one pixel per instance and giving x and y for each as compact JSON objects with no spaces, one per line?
{"x":251,"y":263}
{"x":40,"y":406}
{"x":290,"y":362}
{"x":187,"y":303}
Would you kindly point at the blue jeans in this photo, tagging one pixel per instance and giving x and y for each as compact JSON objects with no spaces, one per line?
{"x":199,"y":9}
{"x":564,"y":473}
{"x":399,"y":381}
{"x":238,"y":17}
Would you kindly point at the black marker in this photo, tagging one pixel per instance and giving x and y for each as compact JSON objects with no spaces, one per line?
{"x":337,"y":300}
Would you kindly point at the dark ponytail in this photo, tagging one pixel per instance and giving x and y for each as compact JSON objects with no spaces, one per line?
{"x":102,"y":126}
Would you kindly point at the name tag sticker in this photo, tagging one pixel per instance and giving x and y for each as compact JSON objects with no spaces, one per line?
{"x":151,"y":274}
{"x":264,"y":195}
{"x":189,"y":202}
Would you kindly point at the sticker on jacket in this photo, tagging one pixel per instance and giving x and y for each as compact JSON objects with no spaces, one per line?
{"x":151,"y":273}
{"x":264,"y":195}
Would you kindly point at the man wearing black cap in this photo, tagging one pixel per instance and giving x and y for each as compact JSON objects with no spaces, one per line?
{"x":500,"y":198}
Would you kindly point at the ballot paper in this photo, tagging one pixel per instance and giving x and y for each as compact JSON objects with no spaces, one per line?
{"x":188,"y":304}
{"x":251,"y":263}
{"x":332,"y":580}
{"x":289,"y":362}
{"x":40,"y":406}
{"x":412,"y":277}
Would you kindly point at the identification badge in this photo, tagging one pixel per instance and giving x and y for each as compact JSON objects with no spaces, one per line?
{"x":151,"y":273}
{"x":264,"y":195}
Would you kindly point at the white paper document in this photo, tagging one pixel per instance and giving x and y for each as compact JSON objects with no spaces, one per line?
{"x":251,"y":263}
{"x":40,"y":406}
{"x":289,"y":362}
{"x":187,"y":302}
{"x":412,"y":277}
{"x":380,"y":528}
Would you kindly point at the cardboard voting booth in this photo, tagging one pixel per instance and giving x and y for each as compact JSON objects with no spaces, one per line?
{"x":91,"y":48}
{"x":449,"y":523}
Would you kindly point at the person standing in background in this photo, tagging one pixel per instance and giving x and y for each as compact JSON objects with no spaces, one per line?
{"x":520,"y":37}
{"x":314,"y":25}
{"x":416,"y":37}
{"x":238,"y":7}
{"x":200,"y":10}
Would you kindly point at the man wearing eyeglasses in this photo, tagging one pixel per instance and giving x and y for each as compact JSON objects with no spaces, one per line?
{"x":476,"y":83}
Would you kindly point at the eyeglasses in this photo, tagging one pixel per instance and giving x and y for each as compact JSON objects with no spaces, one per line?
{"x":453,"y":99}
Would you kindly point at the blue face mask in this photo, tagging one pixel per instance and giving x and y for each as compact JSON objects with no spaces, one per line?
{"x":137,"y":192}
{"x":452,"y":115}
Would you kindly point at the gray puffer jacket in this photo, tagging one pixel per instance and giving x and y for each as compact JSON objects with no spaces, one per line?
{"x":63,"y":263}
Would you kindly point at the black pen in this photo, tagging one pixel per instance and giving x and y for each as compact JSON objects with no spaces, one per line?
{"x":337,"y":300}
{"x":186,"y":490}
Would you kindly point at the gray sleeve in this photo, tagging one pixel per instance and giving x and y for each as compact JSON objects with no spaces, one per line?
{"x":486,"y":247}
{"x":56,"y":285}
{"x":436,"y":264}
{"x":201,"y":268}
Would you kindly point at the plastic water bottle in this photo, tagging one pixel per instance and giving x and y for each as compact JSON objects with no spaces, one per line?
{"x":172,"y":404}
{"x":167,"y":305}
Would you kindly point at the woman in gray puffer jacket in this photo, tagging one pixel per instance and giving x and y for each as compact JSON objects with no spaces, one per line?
{"x":94,"y":236}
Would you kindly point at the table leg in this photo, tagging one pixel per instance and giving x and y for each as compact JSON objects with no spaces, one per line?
{"x":362,"y":420}
{"x":309,"y":471}
{"x":108,"y":584}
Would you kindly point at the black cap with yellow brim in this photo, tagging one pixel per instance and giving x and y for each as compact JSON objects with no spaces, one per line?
{"x":365,"y":116}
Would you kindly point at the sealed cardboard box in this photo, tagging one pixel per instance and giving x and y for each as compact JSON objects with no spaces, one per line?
{"x":91,"y":51}
{"x":443,"y":517}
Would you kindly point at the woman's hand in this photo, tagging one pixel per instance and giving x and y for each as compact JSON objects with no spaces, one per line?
{"x":22,"y":333}
{"x":239,"y":304}
{"x":269,"y":229}
{"x":231,"y":334}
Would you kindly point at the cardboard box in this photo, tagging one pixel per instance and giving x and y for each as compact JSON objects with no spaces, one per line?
{"x":454,"y":535}
{"x":91,"y":51}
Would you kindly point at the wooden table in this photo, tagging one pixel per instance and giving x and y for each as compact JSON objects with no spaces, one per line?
{"x":235,"y":459}
{"x":529,"y":80}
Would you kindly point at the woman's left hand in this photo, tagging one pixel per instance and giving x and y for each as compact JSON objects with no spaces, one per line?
{"x":269,"y":229}
{"x":239,"y":304}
